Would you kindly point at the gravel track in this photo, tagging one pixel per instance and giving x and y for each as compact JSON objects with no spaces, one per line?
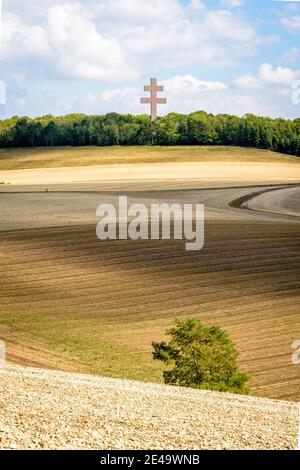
{"x":43,"y":409}
{"x":55,"y":209}
{"x":280,"y":201}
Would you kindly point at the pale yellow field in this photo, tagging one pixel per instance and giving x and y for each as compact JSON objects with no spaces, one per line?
{"x":157,"y":175}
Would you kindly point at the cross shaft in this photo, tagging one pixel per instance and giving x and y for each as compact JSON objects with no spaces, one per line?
{"x":153,"y":88}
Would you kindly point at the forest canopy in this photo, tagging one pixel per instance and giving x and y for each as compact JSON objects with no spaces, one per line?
{"x":198,"y":128}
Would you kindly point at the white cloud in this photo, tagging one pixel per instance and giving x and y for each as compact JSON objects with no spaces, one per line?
{"x":196,"y":5}
{"x":184,"y":94}
{"x":247,"y":82}
{"x":81,"y":51}
{"x":267,"y":75}
{"x":21,"y":39}
{"x":286,"y":92}
{"x":2,"y":92}
{"x":20,"y":102}
{"x":140,"y":12}
{"x":292,"y":23}
{"x":185,"y":87}
{"x":187,"y":84}
{"x":187,"y":94}
{"x":291,"y":56}
{"x":233,"y":3}
{"x":120,"y":93}
{"x":19,"y":77}
{"x":277,"y":76}
{"x":118,"y":40}
{"x":71,"y":43}
{"x":226,"y":25}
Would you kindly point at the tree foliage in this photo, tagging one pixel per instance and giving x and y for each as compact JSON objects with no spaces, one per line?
{"x":204,"y":357}
{"x":198,"y":128}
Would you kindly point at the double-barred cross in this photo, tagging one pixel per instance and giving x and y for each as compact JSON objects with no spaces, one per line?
{"x":153,"y":100}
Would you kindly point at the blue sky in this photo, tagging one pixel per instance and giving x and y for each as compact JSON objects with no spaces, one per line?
{"x":94,"y":56}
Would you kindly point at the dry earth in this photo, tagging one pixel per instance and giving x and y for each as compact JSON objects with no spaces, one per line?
{"x":155,"y":176}
{"x":282,"y":201}
{"x":97,"y":306}
{"x":52,"y":410}
{"x":55,"y":209}
{"x":73,"y":303}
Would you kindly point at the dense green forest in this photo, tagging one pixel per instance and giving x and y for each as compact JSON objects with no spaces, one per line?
{"x":198,"y":128}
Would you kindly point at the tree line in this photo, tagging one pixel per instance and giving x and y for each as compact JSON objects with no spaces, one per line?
{"x":198,"y":128}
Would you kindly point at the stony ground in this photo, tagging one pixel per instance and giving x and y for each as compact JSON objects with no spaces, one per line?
{"x":42,"y":409}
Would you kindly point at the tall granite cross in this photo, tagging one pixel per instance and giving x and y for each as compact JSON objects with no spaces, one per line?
{"x":153,"y":100}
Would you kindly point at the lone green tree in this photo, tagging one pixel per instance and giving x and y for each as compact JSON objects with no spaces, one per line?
{"x":204,"y":357}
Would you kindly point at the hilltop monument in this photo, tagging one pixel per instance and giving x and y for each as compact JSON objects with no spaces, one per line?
{"x":154,"y":100}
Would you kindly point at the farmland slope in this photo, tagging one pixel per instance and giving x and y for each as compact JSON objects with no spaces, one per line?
{"x":74,"y":411}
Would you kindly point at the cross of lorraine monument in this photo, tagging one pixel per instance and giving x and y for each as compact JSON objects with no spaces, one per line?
{"x":153,"y":100}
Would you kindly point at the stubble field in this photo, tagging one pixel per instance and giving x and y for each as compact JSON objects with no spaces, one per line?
{"x":30,"y":158}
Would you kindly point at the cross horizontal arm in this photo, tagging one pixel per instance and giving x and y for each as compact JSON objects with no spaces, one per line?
{"x":161,"y":100}
{"x":146,"y":100}
{"x":153,"y":88}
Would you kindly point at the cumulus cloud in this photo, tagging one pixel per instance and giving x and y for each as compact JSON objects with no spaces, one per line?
{"x":291,"y":56}
{"x":227,"y":100}
{"x":187,"y":84}
{"x":292,"y":23}
{"x":70,"y":42}
{"x":286,"y":92}
{"x":267,"y":75}
{"x":120,"y":93}
{"x":196,"y":5}
{"x":278,"y":75}
{"x":233,"y":3}
{"x":187,"y":94}
{"x":81,"y":51}
{"x":21,"y":39}
{"x":226,"y":25}
{"x":50,"y":44}
{"x":118,"y":40}
{"x":2,"y":92}
{"x":137,"y":12}
{"x":247,"y":82}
